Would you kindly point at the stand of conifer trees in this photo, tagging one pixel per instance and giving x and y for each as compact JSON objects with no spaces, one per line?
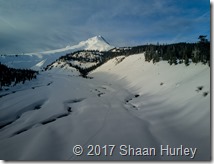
{"x":9,"y":76}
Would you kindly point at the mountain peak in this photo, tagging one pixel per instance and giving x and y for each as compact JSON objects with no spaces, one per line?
{"x":98,"y":38}
{"x":96,"y":43}
{"x":102,"y":38}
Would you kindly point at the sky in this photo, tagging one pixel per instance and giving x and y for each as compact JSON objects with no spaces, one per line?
{"x":39,"y":25}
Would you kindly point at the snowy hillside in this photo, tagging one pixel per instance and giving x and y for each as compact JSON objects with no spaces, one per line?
{"x":82,"y":59}
{"x":127,"y":102}
{"x":39,"y":60}
{"x":172,"y":101}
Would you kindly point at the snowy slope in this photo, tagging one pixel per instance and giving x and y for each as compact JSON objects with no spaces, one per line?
{"x":173,"y":100}
{"x":129,"y":101}
{"x":39,"y":60}
{"x":80,"y":60}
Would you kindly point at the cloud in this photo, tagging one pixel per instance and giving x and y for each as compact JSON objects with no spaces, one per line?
{"x":28,"y":25}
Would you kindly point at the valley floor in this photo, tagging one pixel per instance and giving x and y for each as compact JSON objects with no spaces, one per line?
{"x":143,"y":105}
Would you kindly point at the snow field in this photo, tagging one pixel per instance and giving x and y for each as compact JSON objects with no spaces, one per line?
{"x":128,"y":101}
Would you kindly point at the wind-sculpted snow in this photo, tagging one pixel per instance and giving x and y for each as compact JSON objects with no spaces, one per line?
{"x":130,"y":102}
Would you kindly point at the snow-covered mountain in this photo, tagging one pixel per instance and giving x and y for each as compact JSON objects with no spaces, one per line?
{"x":94,"y":43}
{"x":41,"y":59}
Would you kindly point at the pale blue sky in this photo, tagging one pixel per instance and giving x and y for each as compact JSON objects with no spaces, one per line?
{"x":37,"y":25}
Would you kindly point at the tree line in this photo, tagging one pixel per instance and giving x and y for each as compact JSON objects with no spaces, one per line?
{"x":176,"y":53}
{"x":9,"y":76}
